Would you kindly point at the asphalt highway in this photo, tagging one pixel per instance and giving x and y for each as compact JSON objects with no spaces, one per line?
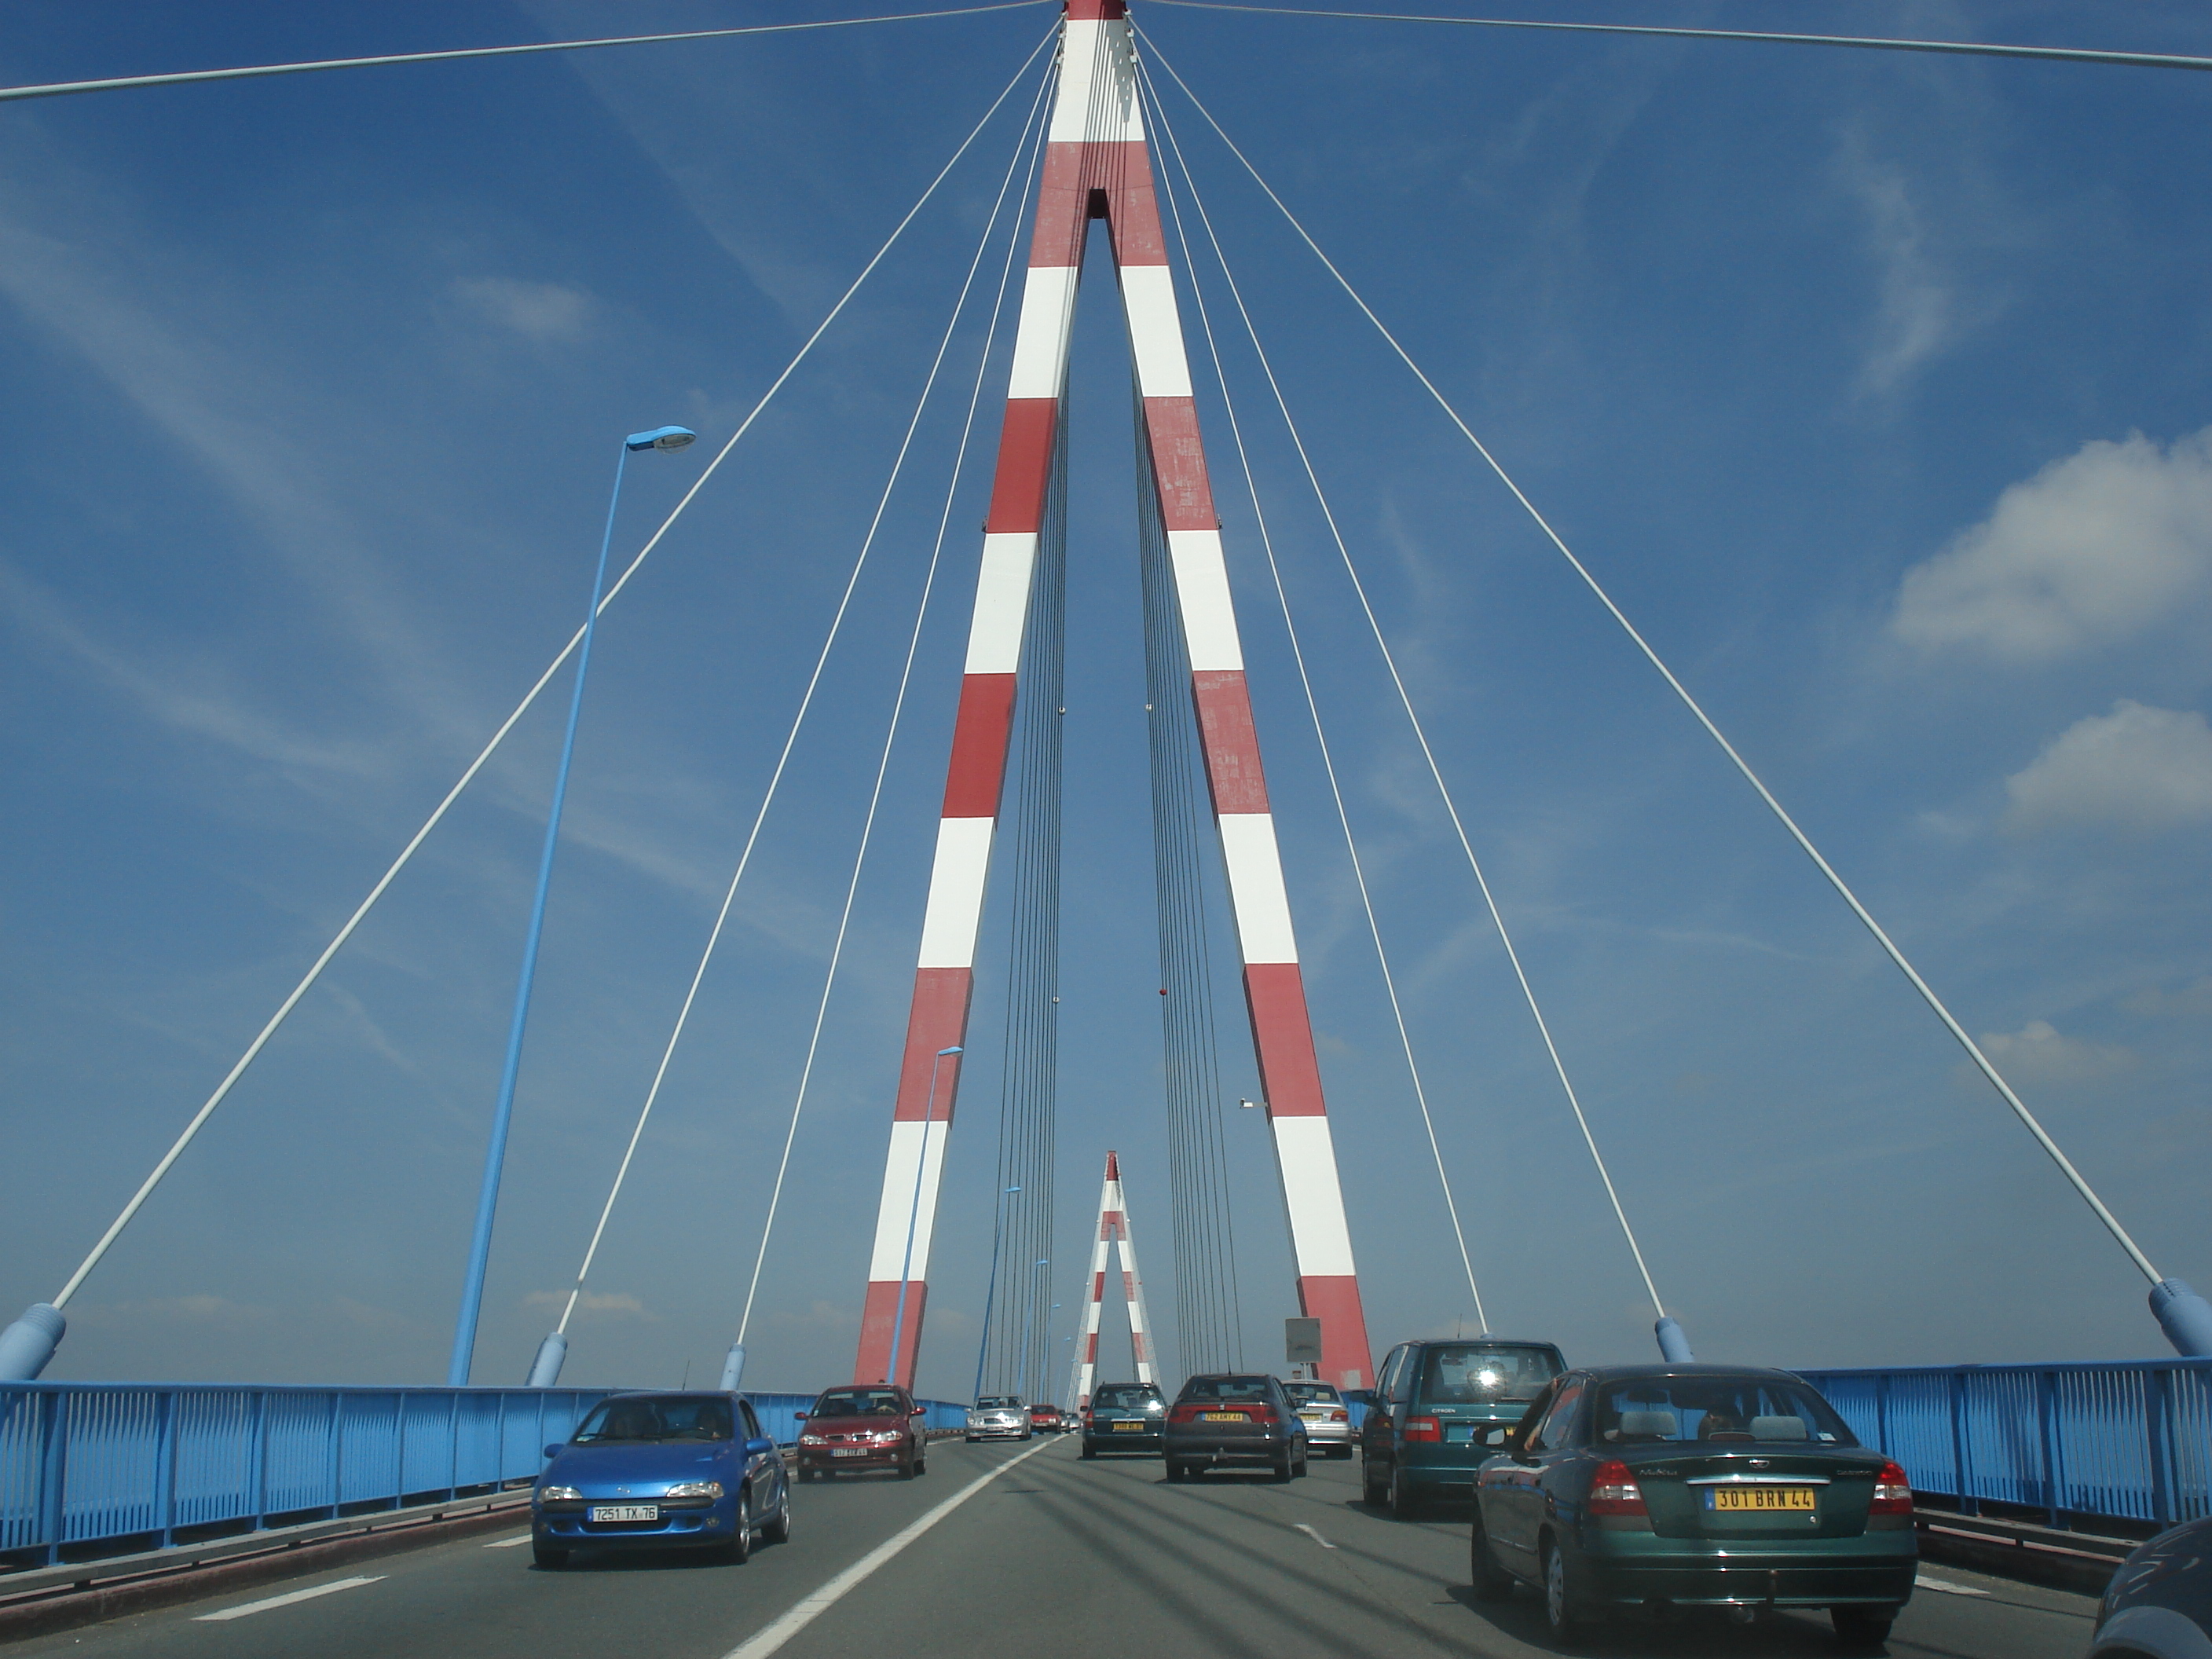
{"x":1050,"y":1555}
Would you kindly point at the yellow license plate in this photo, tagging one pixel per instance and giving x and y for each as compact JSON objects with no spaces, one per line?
{"x":1128,"y":1428}
{"x":1725,"y":1498}
{"x":1223,"y":1417}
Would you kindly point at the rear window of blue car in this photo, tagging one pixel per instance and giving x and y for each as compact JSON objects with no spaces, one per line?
{"x":1124,"y":1399}
{"x":1485,"y":1373}
{"x":1769,"y":1410}
{"x":675,"y":1417}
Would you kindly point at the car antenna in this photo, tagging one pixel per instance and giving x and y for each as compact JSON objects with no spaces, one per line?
{"x":686,"y":1382}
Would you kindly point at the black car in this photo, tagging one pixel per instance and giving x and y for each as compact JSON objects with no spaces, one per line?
{"x":1230,"y":1417}
{"x":2159,"y":1605}
{"x":1694,"y":1485}
{"x":1124,"y":1416}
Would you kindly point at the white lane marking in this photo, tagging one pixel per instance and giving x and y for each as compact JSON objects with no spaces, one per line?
{"x":813,"y":1606}
{"x":286,"y":1600}
{"x":1924,"y":1582}
{"x":509,"y":1543}
{"x":1316,"y":1536}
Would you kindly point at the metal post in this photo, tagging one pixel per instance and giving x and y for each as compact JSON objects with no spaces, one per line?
{"x":1962,"y":1473}
{"x":53,"y":1476}
{"x":331,"y":1470}
{"x":464,"y":1326}
{"x":257,"y":1455}
{"x":2158,"y":1401}
{"x":2046,"y":1409}
{"x":164,"y":1467}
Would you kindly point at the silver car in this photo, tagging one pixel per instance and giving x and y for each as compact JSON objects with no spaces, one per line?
{"x":1327,"y":1415}
{"x":999,"y":1417}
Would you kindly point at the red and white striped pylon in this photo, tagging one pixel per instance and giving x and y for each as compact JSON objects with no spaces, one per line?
{"x":1097,"y":165}
{"x":1112,"y":1229}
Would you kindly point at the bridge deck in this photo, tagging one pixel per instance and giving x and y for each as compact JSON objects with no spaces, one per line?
{"x":1055,"y":1556}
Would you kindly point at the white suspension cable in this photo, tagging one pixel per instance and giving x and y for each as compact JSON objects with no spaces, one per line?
{"x":1965,"y":48}
{"x":315,"y":971}
{"x":1405,"y":699}
{"x":898,"y":703}
{"x":791,"y":738}
{"x":1897,"y":956}
{"x":186,"y":77}
{"x":1313,"y":707}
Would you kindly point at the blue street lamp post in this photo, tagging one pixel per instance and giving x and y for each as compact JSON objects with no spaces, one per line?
{"x":914,"y":1214}
{"x":464,"y":1327}
{"x":991,"y":1288}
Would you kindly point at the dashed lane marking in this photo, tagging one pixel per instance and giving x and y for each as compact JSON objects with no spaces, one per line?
{"x":1316,"y":1536}
{"x":285,"y":1599}
{"x":813,"y":1606}
{"x":509,"y":1543}
{"x":1924,"y":1582}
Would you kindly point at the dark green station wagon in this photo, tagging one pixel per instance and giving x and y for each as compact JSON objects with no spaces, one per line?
{"x":1691,"y":1486}
{"x":1441,"y":1407}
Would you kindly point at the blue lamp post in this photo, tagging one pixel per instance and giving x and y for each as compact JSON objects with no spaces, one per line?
{"x":914,"y":1214}
{"x":663,"y":438}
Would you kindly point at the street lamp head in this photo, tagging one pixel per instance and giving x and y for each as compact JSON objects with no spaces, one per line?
{"x":954,"y":1049}
{"x":663,"y":437}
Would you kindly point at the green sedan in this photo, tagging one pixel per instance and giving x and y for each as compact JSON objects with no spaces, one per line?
{"x":1694,"y":1485}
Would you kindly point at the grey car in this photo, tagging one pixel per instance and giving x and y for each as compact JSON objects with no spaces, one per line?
{"x":2159,"y":1605}
{"x":1327,"y":1415}
{"x":1230,"y":1417}
{"x":999,"y":1417}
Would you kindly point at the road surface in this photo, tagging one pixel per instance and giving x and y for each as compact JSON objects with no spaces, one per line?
{"x":1051,"y":1555}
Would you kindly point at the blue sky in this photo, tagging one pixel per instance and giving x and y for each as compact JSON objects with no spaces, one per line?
{"x":1872,"y":385}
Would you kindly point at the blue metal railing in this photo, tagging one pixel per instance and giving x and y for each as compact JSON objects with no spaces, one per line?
{"x":87,"y":1466}
{"x":2131,"y":1440}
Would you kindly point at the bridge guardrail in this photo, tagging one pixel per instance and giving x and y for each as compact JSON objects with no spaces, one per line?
{"x":2131,"y":1441}
{"x":87,"y":1466}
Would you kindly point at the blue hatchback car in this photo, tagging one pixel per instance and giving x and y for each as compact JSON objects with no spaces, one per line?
{"x":661,"y":1471}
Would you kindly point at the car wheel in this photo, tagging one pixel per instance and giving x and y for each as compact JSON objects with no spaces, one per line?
{"x":910,"y":1468}
{"x":920,"y":1464}
{"x":1175,"y":1470}
{"x":1284,"y":1469}
{"x":1089,"y":1450}
{"x":1404,"y":1503}
{"x":1563,"y":1597}
{"x":1863,"y":1626}
{"x":1372,"y":1490}
{"x":777,"y":1530}
{"x":1298,"y":1469}
{"x":1491,"y":1581}
{"x":970,"y":1438}
{"x":546,"y":1556}
{"x":739,"y":1549}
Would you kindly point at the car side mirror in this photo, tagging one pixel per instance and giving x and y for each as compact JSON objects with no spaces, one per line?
{"x":760,"y":1448}
{"x":555,"y":1449}
{"x":918,"y":1411}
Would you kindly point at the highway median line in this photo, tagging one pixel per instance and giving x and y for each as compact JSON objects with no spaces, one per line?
{"x":813,"y":1605}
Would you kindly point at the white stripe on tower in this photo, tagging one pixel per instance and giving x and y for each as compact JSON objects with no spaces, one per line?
{"x":1132,"y":1286}
{"x":1094,"y":1295}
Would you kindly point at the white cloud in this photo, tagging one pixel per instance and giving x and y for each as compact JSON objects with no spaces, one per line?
{"x":621,"y":1305}
{"x":2037,"y":1054}
{"x":1916,"y":316}
{"x":2092,"y":550}
{"x":2192,"y":1001}
{"x":2137,"y":768}
{"x":542,"y":311}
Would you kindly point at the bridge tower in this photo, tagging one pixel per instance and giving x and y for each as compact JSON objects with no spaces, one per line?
{"x":1097,"y":165}
{"x":1112,"y":1229}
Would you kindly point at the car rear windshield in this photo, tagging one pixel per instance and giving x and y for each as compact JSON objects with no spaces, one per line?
{"x":1481,"y":1373}
{"x":1134,"y":1398}
{"x":1708,"y":1409}
{"x":999,"y":1402}
{"x":1226,"y":1388}
{"x":1313,"y":1394}
{"x":672,"y":1418}
{"x":858,"y":1402}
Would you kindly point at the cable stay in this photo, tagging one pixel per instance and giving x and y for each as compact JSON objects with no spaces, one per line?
{"x":1960,"y":48}
{"x":1672,"y":1342}
{"x":545,"y":1369}
{"x":2183,"y":1316}
{"x":256,"y":71}
{"x":29,"y":1344}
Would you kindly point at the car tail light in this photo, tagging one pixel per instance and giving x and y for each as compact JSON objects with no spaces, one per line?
{"x":1258,"y":1412}
{"x":1613,"y":1491}
{"x":1184,"y":1413}
{"x":1892,"y":1492}
{"x":1424,"y":1428}
{"x":1339,"y":1417}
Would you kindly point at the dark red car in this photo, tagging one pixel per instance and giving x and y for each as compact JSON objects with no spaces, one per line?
{"x":872,"y":1425}
{"x":1045,"y":1419}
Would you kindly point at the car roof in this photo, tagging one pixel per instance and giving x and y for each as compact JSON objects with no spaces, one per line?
{"x":674,"y":1394}
{"x":1483,"y":1339}
{"x":1638,"y":1373}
